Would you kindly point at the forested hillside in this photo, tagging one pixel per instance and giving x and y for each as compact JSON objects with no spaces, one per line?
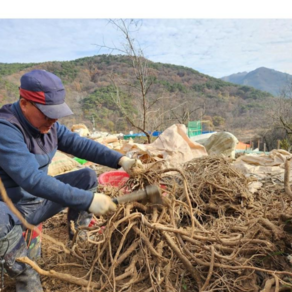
{"x":96,"y":85}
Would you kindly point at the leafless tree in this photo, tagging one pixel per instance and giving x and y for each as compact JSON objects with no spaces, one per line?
{"x":279,"y":126}
{"x":154,"y":107}
{"x":147,"y":108}
{"x":183,"y":112}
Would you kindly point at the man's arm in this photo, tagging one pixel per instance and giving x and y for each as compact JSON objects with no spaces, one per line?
{"x":22,"y":167}
{"x":85,"y":148}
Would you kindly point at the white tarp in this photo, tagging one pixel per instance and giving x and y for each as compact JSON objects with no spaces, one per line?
{"x":173,"y":146}
{"x":263,"y":165}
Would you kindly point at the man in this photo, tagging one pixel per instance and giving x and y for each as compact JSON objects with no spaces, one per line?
{"x":29,"y":137}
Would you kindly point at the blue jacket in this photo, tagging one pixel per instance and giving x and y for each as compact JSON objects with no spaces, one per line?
{"x":25,"y":155}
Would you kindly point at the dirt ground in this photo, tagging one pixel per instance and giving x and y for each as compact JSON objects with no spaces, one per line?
{"x":56,"y":227}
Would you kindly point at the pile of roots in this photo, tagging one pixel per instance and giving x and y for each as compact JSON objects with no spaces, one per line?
{"x":210,"y":234}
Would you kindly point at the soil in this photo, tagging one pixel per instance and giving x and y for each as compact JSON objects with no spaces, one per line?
{"x":57,"y":228}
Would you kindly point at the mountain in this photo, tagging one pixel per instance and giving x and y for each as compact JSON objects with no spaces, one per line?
{"x":264,"y":79}
{"x":97,"y":87}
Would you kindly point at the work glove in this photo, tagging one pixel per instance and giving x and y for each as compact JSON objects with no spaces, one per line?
{"x":101,"y":204}
{"x":131,"y":166}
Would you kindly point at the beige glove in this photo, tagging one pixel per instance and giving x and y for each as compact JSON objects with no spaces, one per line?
{"x":101,"y":204}
{"x":131,"y":166}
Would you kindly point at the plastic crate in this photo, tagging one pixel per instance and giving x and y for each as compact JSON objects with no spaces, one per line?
{"x":194,"y":128}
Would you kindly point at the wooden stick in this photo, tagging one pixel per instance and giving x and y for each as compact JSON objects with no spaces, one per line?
{"x":148,"y":244}
{"x":210,"y":269}
{"x":54,"y":274}
{"x":183,"y":259}
{"x":286,"y":177}
{"x":268,"y":285}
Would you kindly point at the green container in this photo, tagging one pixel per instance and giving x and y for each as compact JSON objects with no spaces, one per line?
{"x":194,"y":128}
{"x":127,"y":137}
{"x":81,"y":161}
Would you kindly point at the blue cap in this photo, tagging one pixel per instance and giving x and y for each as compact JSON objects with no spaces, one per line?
{"x":47,"y":92}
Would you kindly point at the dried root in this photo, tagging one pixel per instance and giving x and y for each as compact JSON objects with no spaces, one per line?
{"x":210,"y":234}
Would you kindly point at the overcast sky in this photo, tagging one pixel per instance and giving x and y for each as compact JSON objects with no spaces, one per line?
{"x":214,"y":46}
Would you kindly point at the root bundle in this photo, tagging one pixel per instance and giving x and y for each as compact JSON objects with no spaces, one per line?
{"x":210,"y":234}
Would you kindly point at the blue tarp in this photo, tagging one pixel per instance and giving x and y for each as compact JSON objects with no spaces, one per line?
{"x":154,"y":134}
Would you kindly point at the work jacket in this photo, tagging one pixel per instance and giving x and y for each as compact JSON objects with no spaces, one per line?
{"x":25,"y":155}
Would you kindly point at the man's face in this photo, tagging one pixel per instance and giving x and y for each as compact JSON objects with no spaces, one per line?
{"x":36,"y":117}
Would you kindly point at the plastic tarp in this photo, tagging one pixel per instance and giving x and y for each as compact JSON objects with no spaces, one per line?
{"x":221,"y":143}
{"x":264,"y":165}
{"x":173,"y":145}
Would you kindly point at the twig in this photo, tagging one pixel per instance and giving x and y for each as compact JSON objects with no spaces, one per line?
{"x":287,"y":177}
{"x":184,"y":260}
{"x":54,"y":274}
{"x":210,"y":270}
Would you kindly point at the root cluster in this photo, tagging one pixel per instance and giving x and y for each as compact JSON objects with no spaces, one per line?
{"x":210,"y":234}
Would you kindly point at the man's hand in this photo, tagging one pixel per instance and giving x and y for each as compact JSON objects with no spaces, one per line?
{"x":101,"y":204}
{"x":131,"y":166}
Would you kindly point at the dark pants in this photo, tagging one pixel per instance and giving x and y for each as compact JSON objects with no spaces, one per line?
{"x":37,"y":212}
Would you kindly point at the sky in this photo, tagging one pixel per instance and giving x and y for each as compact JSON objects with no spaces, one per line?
{"x":213,"y":43}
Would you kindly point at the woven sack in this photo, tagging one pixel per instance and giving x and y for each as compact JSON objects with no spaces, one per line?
{"x":62,"y":163}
